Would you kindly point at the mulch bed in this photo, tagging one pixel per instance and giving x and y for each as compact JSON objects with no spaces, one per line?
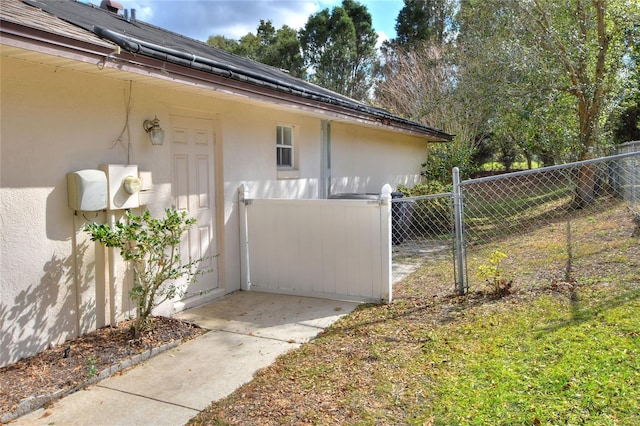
{"x":83,"y":360}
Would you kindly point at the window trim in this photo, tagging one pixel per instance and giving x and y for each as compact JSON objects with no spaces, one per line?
{"x":284,"y":171}
{"x":280,"y":145}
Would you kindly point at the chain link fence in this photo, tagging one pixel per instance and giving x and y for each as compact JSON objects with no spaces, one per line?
{"x":499,"y":207}
{"x":488,"y":210}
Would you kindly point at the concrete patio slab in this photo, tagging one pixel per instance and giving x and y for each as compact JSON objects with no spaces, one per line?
{"x":249,"y":330}
{"x":286,"y":318}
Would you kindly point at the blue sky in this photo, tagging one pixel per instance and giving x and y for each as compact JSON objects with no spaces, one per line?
{"x":234,"y":18}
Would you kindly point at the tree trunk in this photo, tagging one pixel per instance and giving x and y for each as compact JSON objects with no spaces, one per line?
{"x":585,"y":187}
{"x":589,"y":107}
{"x":588,"y":112}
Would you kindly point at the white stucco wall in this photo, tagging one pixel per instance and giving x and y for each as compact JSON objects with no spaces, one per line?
{"x":365,"y":159}
{"x":55,"y":121}
{"x":54,"y":281}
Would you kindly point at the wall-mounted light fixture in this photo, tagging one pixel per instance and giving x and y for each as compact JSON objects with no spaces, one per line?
{"x":156,"y":133}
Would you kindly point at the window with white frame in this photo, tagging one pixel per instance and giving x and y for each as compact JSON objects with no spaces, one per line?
{"x":284,"y":147}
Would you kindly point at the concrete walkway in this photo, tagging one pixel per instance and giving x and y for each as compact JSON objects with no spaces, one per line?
{"x":249,"y":331}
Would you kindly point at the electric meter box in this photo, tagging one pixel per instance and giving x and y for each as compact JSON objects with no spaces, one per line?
{"x":87,"y":190}
{"x":123,"y":186}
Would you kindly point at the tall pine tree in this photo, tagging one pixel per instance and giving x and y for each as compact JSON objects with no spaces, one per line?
{"x":339,"y":49}
{"x":423,"y":20}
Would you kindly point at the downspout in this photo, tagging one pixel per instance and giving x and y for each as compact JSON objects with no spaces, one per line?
{"x":325,"y":184}
{"x":245,"y":266}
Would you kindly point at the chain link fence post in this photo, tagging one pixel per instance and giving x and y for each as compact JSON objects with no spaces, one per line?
{"x":458,"y":211}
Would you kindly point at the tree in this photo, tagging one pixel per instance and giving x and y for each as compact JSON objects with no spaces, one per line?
{"x":584,"y":45}
{"x":571,"y":37}
{"x":339,"y":49}
{"x":418,"y":22}
{"x":247,"y":47}
{"x":285,"y":52}
{"x":423,"y":20}
{"x":625,"y":121}
{"x":530,"y":114}
{"x":627,"y":127}
{"x":418,"y":78}
{"x":420,"y":84}
{"x":278,"y":48}
{"x":528,"y":78}
{"x":222,"y":42}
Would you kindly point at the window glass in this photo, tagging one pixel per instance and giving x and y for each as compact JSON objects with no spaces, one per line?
{"x":284,"y":157}
{"x":284,"y":146}
{"x":287,"y":137}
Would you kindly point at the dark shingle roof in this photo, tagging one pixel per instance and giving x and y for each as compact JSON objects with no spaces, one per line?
{"x":148,"y":40}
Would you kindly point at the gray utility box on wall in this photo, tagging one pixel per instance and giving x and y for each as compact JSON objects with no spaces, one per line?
{"x":87,"y":190}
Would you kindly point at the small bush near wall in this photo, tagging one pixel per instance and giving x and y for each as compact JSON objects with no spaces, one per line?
{"x":152,"y":248}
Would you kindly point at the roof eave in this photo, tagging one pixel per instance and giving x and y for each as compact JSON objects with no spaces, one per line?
{"x":95,"y":49}
{"x":188,"y":74}
{"x":281,"y":89}
{"x":36,"y":37}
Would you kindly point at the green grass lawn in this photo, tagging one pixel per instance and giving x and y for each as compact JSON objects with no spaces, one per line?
{"x":562,"y":348}
{"x":560,"y":359}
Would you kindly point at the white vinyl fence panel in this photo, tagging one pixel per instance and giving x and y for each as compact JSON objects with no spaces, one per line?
{"x":337,"y":249}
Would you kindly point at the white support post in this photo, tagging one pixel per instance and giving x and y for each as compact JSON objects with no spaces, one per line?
{"x":245,"y":275}
{"x":385,"y":239}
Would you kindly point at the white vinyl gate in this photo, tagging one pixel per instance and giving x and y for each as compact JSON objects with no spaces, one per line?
{"x":335,"y":249}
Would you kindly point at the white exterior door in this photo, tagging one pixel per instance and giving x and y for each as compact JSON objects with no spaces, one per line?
{"x":192,"y":144}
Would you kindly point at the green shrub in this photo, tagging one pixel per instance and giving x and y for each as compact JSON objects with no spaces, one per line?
{"x":151,"y":246}
{"x":443,"y":158}
{"x":425,"y":188}
{"x":493,"y":274}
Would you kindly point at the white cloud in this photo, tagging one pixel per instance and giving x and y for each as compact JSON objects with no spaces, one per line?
{"x":297,"y":19}
{"x":382,"y":37}
{"x":200,"y":19}
{"x":235,"y":31}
